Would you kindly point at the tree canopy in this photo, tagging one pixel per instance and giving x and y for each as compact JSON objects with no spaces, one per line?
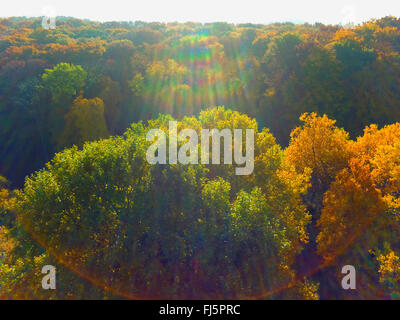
{"x":77,"y":102}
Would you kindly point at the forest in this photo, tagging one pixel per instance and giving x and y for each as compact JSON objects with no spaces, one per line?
{"x":76,"y":191}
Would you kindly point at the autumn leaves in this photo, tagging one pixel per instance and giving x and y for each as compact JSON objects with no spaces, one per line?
{"x":354,"y":193}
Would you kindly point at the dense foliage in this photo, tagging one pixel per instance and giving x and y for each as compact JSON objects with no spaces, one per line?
{"x":78,"y":100}
{"x":273,"y":73}
{"x":166,"y":230}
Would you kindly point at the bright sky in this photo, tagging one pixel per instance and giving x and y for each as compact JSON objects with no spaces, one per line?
{"x":236,"y":11}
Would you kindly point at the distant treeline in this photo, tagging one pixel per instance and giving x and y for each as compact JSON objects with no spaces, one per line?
{"x":86,"y":80}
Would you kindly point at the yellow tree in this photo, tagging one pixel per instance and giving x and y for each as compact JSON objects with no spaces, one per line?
{"x":359,"y":218}
{"x":351,"y":207}
{"x":323,"y":149}
{"x":320,"y":146}
{"x":84,"y":122}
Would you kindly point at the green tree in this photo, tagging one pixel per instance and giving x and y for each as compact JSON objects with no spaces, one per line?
{"x":64,"y":82}
{"x":141,"y":230}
